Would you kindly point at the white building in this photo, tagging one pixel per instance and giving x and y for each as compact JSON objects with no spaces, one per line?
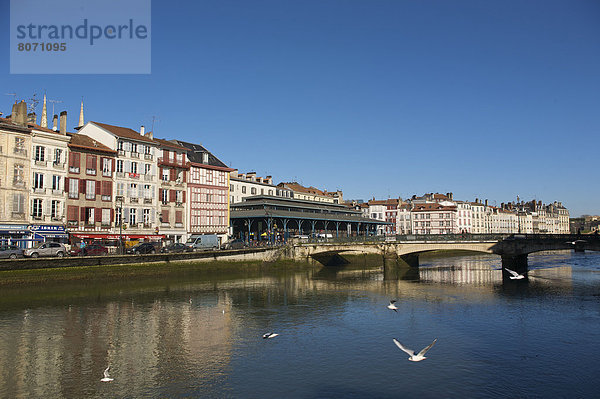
{"x":243,"y":185}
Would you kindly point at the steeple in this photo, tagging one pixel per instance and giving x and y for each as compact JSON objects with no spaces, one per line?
{"x":81,"y":123}
{"x":44,"y":121}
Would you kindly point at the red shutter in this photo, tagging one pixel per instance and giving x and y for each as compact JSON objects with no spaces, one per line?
{"x":98,"y":188}
{"x":160,"y":194}
{"x":82,"y":218}
{"x":184,"y":176}
{"x":165,"y":216}
{"x":183,"y":197}
{"x":172,"y":174}
{"x":82,"y":186}
{"x":172,"y":195}
{"x":178,"y":216}
{"x":166,"y":154}
{"x":113,"y":165}
{"x":112,"y":215}
{"x":160,"y":170}
{"x":98,"y":215}
{"x":109,"y":188}
{"x":66,"y":184}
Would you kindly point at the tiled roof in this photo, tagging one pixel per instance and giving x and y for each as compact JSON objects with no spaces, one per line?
{"x":432,"y":207}
{"x":300,"y":188}
{"x":124,"y":132}
{"x":170,"y":144}
{"x":81,"y":141}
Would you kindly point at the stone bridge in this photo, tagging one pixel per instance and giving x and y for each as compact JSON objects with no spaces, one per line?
{"x":405,"y":250}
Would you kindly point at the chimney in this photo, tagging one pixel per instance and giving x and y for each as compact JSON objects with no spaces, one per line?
{"x":205,"y":157}
{"x":451,"y":196}
{"x":55,"y":123}
{"x":486,"y":203}
{"x":150,"y":135}
{"x":19,"y":113}
{"x":142,"y":130}
{"x":63,"y":122}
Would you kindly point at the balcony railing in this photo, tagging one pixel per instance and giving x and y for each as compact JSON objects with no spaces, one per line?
{"x":118,"y":198}
{"x":148,"y":177}
{"x":135,"y":155}
{"x":148,"y":157}
{"x":19,"y":183}
{"x":74,"y":169}
{"x":173,"y":162}
{"x":106,"y":173}
{"x":164,"y":202}
{"x":20,"y":151}
{"x":56,"y":191}
{"x":134,"y":175}
{"x":134,"y":200}
{"x":120,"y":174}
{"x":91,"y":172}
{"x":58,"y":165}
{"x":106,"y":198}
{"x":72,"y":223}
{"x":18,"y":215}
{"x":74,"y":195}
{"x":39,"y":190}
{"x":178,"y":224}
{"x":147,"y":200}
{"x":121,"y":152}
{"x":179,"y":204}
{"x":40,"y":163}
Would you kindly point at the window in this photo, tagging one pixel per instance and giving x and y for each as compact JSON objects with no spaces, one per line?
{"x":179,"y":196}
{"x":163,"y":196}
{"x":39,"y":153}
{"x":18,"y":203}
{"x":147,"y":150}
{"x":147,"y":169}
{"x":74,"y":158}
{"x":134,"y":168}
{"x":57,"y":156}
{"x":231,"y":187}
{"x":54,"y":209}
{"x":118,"y":217}
{"x":132,"y":219}
{"x":133,"y":193}
{"x":37,"y":208}
{"x":55,"y":182}
{"x":74,"y":188}
{"x":38,"y":181}
{"x":146,"y":216}
{"x":120,"y":145}
{"x":20,"y":145}
{"x":120,"y":189}
{"x":105,"y":217}
{"x":165,"y":174}
{"x":89,"y":215}
{"x":164,"y":216}
{"x":106,"y":166}
{"x":120,"y":166}
{"x":253,"y":190}
{"x":106,"y":191}
{"x":133,"y":147}
{"x":18,"y":175}
{"x":90,"y":189}
{"x":147,"y":191}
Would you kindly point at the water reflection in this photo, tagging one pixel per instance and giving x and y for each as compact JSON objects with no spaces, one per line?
{"x":201,"y":335}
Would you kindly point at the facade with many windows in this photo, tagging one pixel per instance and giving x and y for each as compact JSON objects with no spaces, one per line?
{"x":244,"y":185}
{"x":89,"y":186}
{"x":208,"y":192}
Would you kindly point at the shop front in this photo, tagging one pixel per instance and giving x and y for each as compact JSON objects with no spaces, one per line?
{"x":15,"y":234}
{"x":111,"y":241}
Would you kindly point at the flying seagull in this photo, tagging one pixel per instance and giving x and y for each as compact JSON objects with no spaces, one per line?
{"x":391,"y":306}
{"x":515,"y":275}
{"x":106,"y":376}
{"x":269,"y":335}
{"x":419,"y":356}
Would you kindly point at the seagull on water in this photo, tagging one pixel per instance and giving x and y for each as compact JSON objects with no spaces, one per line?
{"x":514,"y":275}
{"x":106,"y":376}
{"x":419,"y":356}
{"x":391,"y":306}
{"x":269,"y":335}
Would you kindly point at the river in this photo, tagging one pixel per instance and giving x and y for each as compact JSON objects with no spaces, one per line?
{"x":201,"y":335}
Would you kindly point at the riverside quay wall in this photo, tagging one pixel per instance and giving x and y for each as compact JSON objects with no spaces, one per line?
{"x":234,"y":255}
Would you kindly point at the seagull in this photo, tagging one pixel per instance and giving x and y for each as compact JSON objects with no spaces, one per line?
{"x":106,"y":376}
{"x":269,"y":335}
{"x":515,"y":275}
{"x":391,"y":306}
{"x":414,"y":358}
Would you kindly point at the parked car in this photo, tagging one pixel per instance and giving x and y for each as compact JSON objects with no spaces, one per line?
{"x":234,"y":244}
{"x":46,"y":249}
{"x":177,"y":247}
{"x":89,"y":250}
{"x":142,"y":248}
{"x":11,"y":252}
{"x":203,"y":241}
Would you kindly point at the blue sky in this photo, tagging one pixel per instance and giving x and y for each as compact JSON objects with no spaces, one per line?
{"x":487,"y":99}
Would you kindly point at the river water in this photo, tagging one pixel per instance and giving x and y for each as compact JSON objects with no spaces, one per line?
{"x":201,"y":335}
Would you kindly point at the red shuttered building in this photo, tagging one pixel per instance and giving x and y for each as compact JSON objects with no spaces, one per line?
{"x":89,"y":187}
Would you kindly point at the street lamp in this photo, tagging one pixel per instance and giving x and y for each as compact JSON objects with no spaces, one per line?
{"x":121,"y":225}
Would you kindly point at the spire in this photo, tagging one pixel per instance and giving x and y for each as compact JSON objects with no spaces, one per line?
{"x":81,"y":114}
{"x":44,"y":121}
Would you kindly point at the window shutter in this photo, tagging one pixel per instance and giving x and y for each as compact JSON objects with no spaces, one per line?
{"x":184,"y":176}
{"x":140,"y":191}
{"x":66,"y":184}
{"x":178,"y":216}
{"x":112,"y":214}
{"x":152,"y":216}
{"x":183,"y":197}
{"x":82,"y":186}
{"x":127,"y":166}
{"x":15,"y":207}
{"x":160,"y":169}
{"x":126,"y":215}
{"x":172,"y":174}
{"x":98,"y":215}
{"x":165,"y":216}
{"x":172,"y":195}
{"x":160,"y":194}
{"x":82,"y":213}
{"x":113,"y":165}
{"x":98,"y":188}
{"x":153,"y":170}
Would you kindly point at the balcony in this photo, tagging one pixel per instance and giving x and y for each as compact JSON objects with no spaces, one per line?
{"x":121,"y":152}
{"x":91,"y":172}
{"x":19,"y":183}
{"x":56,"y":218}
{"x":106,"y":198}
{"x":58,"y":165}
{"x":178,"y":224}
{"x":148,"y":177}
{"x":20,"y":151}
{"x":41,"y":163}
{"x":173,"y":162}
{"x":179,"y":204}
{"x":178,"y":183}
{"x":134,"y":155}
{"x":74,"y":169}
{"x":164,"y":203}
{"x":119,"y":198}
{"x":166,"y":182}
{"x":147,"y":226}
{"x":74,"y":196}
{"x":134,"y":200}
{"x":18,"y":215}
{"x":57,"y":192}
{"x":107,"y":173}
{"x":120,"y":174}
{"x":72,"y":223}
{"x":147,"y":200}
{"x":134,"y":175}
{"x":148,"y":157}
{"x":39,"y":191}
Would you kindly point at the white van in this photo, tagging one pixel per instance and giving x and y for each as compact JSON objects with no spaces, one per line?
{"x":203,"y":241}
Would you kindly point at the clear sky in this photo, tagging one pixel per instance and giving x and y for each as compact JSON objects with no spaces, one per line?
{"x":487,"y":99}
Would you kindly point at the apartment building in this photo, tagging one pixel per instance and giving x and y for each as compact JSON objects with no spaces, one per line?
{"x":244,"y":185}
